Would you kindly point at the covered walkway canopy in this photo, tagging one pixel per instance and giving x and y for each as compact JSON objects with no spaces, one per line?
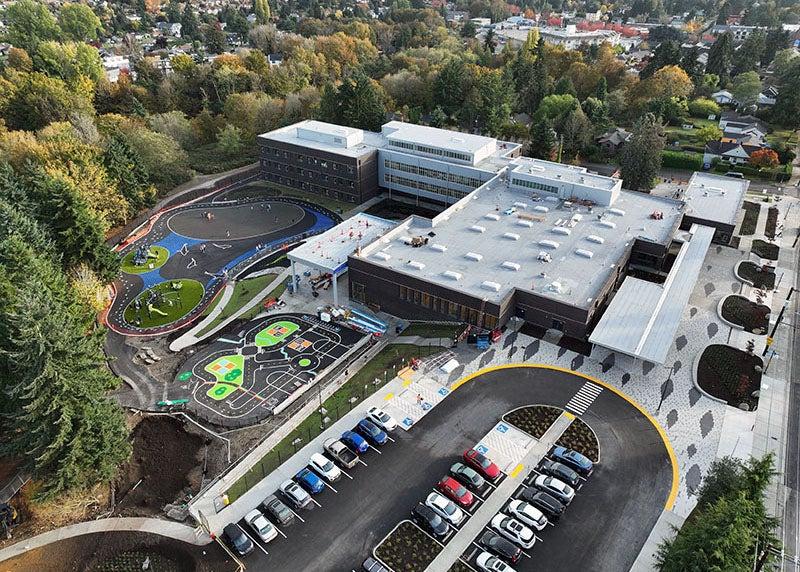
{"x":643,"y":317}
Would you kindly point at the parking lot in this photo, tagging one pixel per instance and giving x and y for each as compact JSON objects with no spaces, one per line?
{"x":603,"y":529}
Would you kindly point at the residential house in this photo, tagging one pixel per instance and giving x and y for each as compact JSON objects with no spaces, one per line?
{"x":724,"y":97}
{"x":732,"y":152}
{"x":612,"y":141}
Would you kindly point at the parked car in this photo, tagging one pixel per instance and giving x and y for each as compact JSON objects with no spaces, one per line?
{"x":482,"y":464}
{"x":734,"y":175}
{"x":296,"y":495}
{"x":309,"y":481}
{"x":574,"y":460}
{"x":545,"y":502}
{"x":489,"y":563}
{"x":324,"y":467}
{"x":372,"y":565}
{"x":445,"y":508}
{"x":559,"y":489}
{"x":277,"y":510}
{"x":501,"y":546}
{"x":238,"y":540}
{"x":429,"y":520}
{"x":527,"y":514}
{"x":265,"y":530}
{"x":455,"y":491}
{"x":467,"y":476}
{"x":371,"y":432}
{"x":559,"y":471}
{"x":514,"y":530}
{"x":340,"y":453}
{"x":355,"y":442}
{"x":381,"y":419}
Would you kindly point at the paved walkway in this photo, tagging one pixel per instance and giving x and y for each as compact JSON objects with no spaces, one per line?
{"x":152,"y":525}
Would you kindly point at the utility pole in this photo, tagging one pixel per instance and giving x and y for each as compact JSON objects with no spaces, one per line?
{"x":771,"y":337}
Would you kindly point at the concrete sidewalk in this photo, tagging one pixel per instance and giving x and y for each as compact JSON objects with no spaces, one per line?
{"x":166,"y":528}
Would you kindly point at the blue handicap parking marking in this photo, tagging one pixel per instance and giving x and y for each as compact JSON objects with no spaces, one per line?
{"x":482,"y":449}
{"x":408,"y":422}
{"x":502,"y":428}
{"x":426,"y":406}
{"x":443,"y":391}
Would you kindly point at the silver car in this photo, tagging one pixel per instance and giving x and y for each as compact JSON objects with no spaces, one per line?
{"x":295,"y":494}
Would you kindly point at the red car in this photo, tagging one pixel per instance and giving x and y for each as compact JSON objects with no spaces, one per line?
{"x":481,"y":464}
{"x":455,"y":491}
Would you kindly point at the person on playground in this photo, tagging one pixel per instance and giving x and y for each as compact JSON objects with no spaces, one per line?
{"x":203,"y":247}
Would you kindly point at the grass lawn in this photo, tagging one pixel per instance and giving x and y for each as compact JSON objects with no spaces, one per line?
{"x":782,"y":136}
{"x":171,"y":305}
{"x":382,"y":368}
{"x":335,"y":205}
{"x":426,"y":330}
{"x":161,"y":257}
{"x":243,"y":292}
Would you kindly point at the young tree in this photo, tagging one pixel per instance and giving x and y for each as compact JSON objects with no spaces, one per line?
{"x":543,"y":143}
{"x":78,"y":22}
{"x":708,"y":133}
{"x":764,"y":158}
{"x":640,"y":159}
{"x":703,"y":107}
{"x":262,"y":11}
{"x":720,"y":58}
{"x":229,"y":140}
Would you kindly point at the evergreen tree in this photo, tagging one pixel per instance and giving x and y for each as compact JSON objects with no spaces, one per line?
{"x":601,"y":90}
{"x":749,"y":54}
{"x":691,"y":65}
{"x":720,"y":58}
{"x":490,"y":41}
{"x":576,"y":134}
{"x":130,"y":174}
{"x":543,"y":140}
{"x":777,"y":40}
{"x":447,"y":88}
{"x":262,"y":11}
{"x":362,"y":103}
{"x":666,"y":54}
{"x":190,"y":25}
{"x":564,"y":86}
{"x":640,"y":160}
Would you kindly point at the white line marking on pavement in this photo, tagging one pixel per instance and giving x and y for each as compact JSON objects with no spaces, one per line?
{"x":330,"y":487}
{"x":280,"y":532}
{"x":253,"y":540}
{"x":316,"y":503}
{"x":346,"y":474}
{"x":374,"y":449}
{"x":363,"y":463}
{"x":298,"y":516}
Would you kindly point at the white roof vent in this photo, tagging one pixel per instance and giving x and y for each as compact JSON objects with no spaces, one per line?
{"x":596,"y":239}
{"x":452,"y":274}
{"x":618,"y":212}
{"x":404,"y":239}
{"x":477,"y":228}
{"x":511,"y":236}
{"x":415,"y":264}
{"x":541,"y":209}
{"x":489,"y":285}
{"x":439,"y":247}
{"x":555,"y":286}
{"x":521,"y":205}
{"x":608,"y":224}
{"x":561,"y":230}
{"x":577,"y":217}
{"x":549,"y":243}
{"x":511,"y":266}
{"x":525,"y":223}
{"x":584,"y":253}
{"x":380,"y":255}
{"x":474,"y":256}
{"x":491,"y":216}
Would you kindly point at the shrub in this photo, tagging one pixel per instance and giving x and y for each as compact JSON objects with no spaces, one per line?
{"x":682,"y":160}
{"x":703,"y":107}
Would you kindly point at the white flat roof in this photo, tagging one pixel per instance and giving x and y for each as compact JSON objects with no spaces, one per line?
{"x":559,"y":172}
{"x":643,"y":317}
{"x":328,"y":251}
{"x":715,"y":197}
{"x":441,"y":138}
{"x":289,"y":134}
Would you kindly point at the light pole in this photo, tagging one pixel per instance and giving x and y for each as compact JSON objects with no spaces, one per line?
{"x":664,"y":388}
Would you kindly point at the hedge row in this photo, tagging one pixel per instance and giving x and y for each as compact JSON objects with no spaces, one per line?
{"x":682,"y":160}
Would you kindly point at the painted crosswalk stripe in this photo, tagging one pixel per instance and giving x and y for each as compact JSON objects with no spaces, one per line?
{"x":584,"y":398}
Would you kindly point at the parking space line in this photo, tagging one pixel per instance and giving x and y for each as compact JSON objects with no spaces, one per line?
{"x":363,"y":463}
{"x":298,"y":516}
{"x":315,"y":502}
{"x":253,"y":540}
{"x":330,"y":487}
{"x":390,"y":439}
{"x":346,"y":474}
{"x":374,"y":449}
{"x":280,"y":531}
{"x":465,"y":563}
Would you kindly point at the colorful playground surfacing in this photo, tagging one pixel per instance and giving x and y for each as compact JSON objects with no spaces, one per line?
{"x":241,"y":379}
{"x":170,"y":275}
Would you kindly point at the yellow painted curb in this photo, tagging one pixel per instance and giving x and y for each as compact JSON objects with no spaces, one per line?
{"x":569,"y":416}
{"x":388,"y":396}
{"x":513,"y":474}
{"x":673,"y":494}
{"x":406,"y":383}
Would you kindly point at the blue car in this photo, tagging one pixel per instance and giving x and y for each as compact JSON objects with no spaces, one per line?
{"x":574,"y":460}
{"x":309,"y":481}
{"x":371,"y":432}
{"x":355,"y":441}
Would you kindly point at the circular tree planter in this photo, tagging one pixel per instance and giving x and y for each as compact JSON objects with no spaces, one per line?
{"x":407,"y":548}
{"x":764,"y":249}
{"x":751,"y":273}
{"x":537,"y":419}
{"x":744,"y":314}
{"x":730,"y":375}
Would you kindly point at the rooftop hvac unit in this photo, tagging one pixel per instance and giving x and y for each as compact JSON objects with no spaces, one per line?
{"x":511,"y":266}
{"x":584,"y":253}
{"x":491,"y":216}
{"x":452,"y":274}
{"x":477,"y":228}
{"x":577,"y":217}
{"x":596,"y":239}
{"x":380,"y":255}
{"x":608,"y":224}
{"x":439,"y":247}
{"x":618,"y":212}
{"x":474,"y":256}
{"x":405,"y":239}
{"x":549,"y":243}
{"x":541,"y":209}
{"x":561,"y":230}
{"x":521,"y":205}
{"x":511,"y":236}
{"x":489,"y":285}
{"x":525,"y":223}
{"x":415,"y":264}
{"x":555,"y":286}
{"x":544,"y":257}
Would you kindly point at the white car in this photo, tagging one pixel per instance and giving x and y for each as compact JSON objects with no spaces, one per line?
{"x":526,"y":513}
{"x":445,"y":508}
{"x":559,"y":489}
{"x":490,"y":563}
{"x":381,"y":419}
{"x":324,"y":467}
{"x":514,"y":530}
{"x":262,"y":527}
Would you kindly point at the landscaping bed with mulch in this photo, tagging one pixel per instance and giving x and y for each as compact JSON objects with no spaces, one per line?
{"x":750,"y":220}
{"x":772,"y":223}
{"x":537,"y":419}
{"x":745,"y":313}
{"x":758,"y":277}
{"x":408,"y":549}
{"x":764,"y":249}
{"x":730,"y":374}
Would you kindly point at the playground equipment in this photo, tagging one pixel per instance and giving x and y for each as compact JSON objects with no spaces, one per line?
{"x":153,"y":310}
{"x":9,"y":518}
{"x":365,"y":322}
{"x":143,"y":255}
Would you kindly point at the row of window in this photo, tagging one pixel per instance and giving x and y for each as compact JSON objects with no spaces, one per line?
{"x":308,"y":160}
{"x":308,"y":173}
{"x":423,"y":186}
{"x":316,"y":189}
{"x":534,"y":185}
{"x":472,"y":182}
{"x":432,"y":150}
{"x":446,"y":307}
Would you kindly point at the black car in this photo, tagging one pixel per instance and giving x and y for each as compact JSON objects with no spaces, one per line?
{"x":548,"y":504}
{"x":238,"y":540}
{"x":429,"y":520}
{"x":559,"y":471}
{"x":500,"y":546}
